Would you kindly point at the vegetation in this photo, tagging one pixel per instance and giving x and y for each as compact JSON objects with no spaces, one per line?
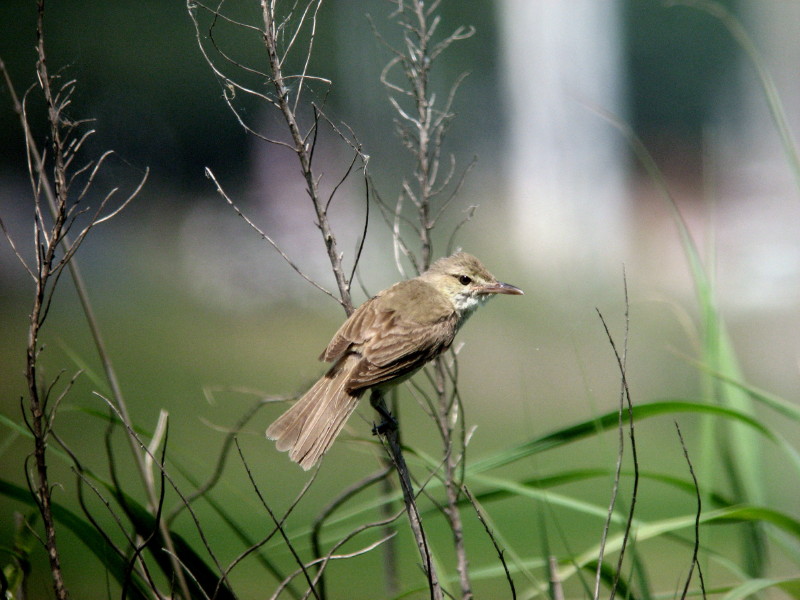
{"x":208,"y":518}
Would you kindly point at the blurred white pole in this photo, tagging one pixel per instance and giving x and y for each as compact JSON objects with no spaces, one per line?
{"x":758,"y":215}
{"x":566,"y":164}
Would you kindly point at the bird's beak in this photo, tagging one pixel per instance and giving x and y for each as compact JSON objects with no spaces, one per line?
{"x":498,"y":287}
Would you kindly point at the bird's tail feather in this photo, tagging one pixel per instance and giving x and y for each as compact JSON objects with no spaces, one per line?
{"x":311,"y":425}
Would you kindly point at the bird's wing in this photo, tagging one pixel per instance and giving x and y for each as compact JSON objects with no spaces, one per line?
{"x":411,"y":300}
{"x":353,"y":331}
{"x":394,"y":333}
{"x":398,"y":350}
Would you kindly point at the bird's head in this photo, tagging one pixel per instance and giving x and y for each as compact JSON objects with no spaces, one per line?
{"x":466,"y":282}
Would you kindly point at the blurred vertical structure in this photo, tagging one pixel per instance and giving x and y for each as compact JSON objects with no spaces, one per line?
{"x":756,"y":161}
{"x":566,"y":164}
{"x":775,"y":30}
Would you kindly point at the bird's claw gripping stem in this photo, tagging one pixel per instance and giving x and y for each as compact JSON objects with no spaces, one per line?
{"x":388,"y":422}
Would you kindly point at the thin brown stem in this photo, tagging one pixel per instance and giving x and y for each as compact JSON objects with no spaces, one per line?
{"x":338,"y":501}
{"x":698,"y":514}
{"x":395,"y":451}
{"x":36,"y":404}
{"x":422,"y":125}
{"x":626,"y":404}
{"x":303,"y":151}
{"x":278,"y":523}
{"x":446,"y":416}
{"x":493,"y":538}
{"x":52,"y":176}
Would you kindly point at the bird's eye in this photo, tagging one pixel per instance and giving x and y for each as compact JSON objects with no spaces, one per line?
{"x":464,"y":279}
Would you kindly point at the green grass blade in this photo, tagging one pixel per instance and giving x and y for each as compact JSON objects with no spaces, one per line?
{"x":776,"y":110}
{"x":609,"y":421}
{"x":776,"y":403}
{"x":608,"y":575}
{"x":790,"y":586}
{"x":733,"y":514}
{"x":204,"y":580}
{"x":116,"y":565}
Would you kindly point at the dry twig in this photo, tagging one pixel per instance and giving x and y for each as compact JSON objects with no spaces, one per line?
{"x":54,"y":251}
{"x":696,"y":546}
{"x":422,"y":125}
{"x":625,"y":403}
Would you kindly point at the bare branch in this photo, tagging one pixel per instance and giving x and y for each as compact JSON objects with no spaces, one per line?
{"x":363,"y":239}
{"x":456,"y":189}
{"x":59,"y":399}
{"x":185,"y":569}
{"x":217,"y":14}
{"x":625,"y":403}
{"x":222,"y":457}
{"x":345,"y":495}
{"x":342,"y":179}
{"x":470,"y":213}
{"x":303,"y":154}
{"x":302,"y":76}
{"x":229,"y":86}
{"x":278,"y":526}
{"x":339,"y":500}
{"x":161,"y":523}
{"x":16,"y":252}
{"x":266,"y":237}
{"x":421,"y":129}
{"x":96,"y":219}
{"x":396,"y":454}
{"x":384,"y":77}
{"x":41,"y":186}
{"x":82,"y":478}
{"x":278,"y":522}
{"x":461,"y":33}
{"x":326,"y":559}
{"x":698,"y":513}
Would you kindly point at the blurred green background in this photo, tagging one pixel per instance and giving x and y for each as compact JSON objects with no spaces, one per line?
{"x":202,"y":318}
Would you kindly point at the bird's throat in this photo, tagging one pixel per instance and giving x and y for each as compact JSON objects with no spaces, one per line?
{"x":466,"y":304}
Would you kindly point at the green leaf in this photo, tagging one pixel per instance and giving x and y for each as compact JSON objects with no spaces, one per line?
{"x":17,"y":570}
{"x":749,"y":588}
{"x":609,"y":421}
{"x":85,"y":532}
{"x":204,"y":581}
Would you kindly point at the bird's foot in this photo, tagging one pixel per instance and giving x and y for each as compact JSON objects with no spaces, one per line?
{"x":388,"y":423}
{"x":384,"y":427}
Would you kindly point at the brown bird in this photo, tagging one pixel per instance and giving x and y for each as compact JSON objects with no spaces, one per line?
{"x":385,"y":341}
